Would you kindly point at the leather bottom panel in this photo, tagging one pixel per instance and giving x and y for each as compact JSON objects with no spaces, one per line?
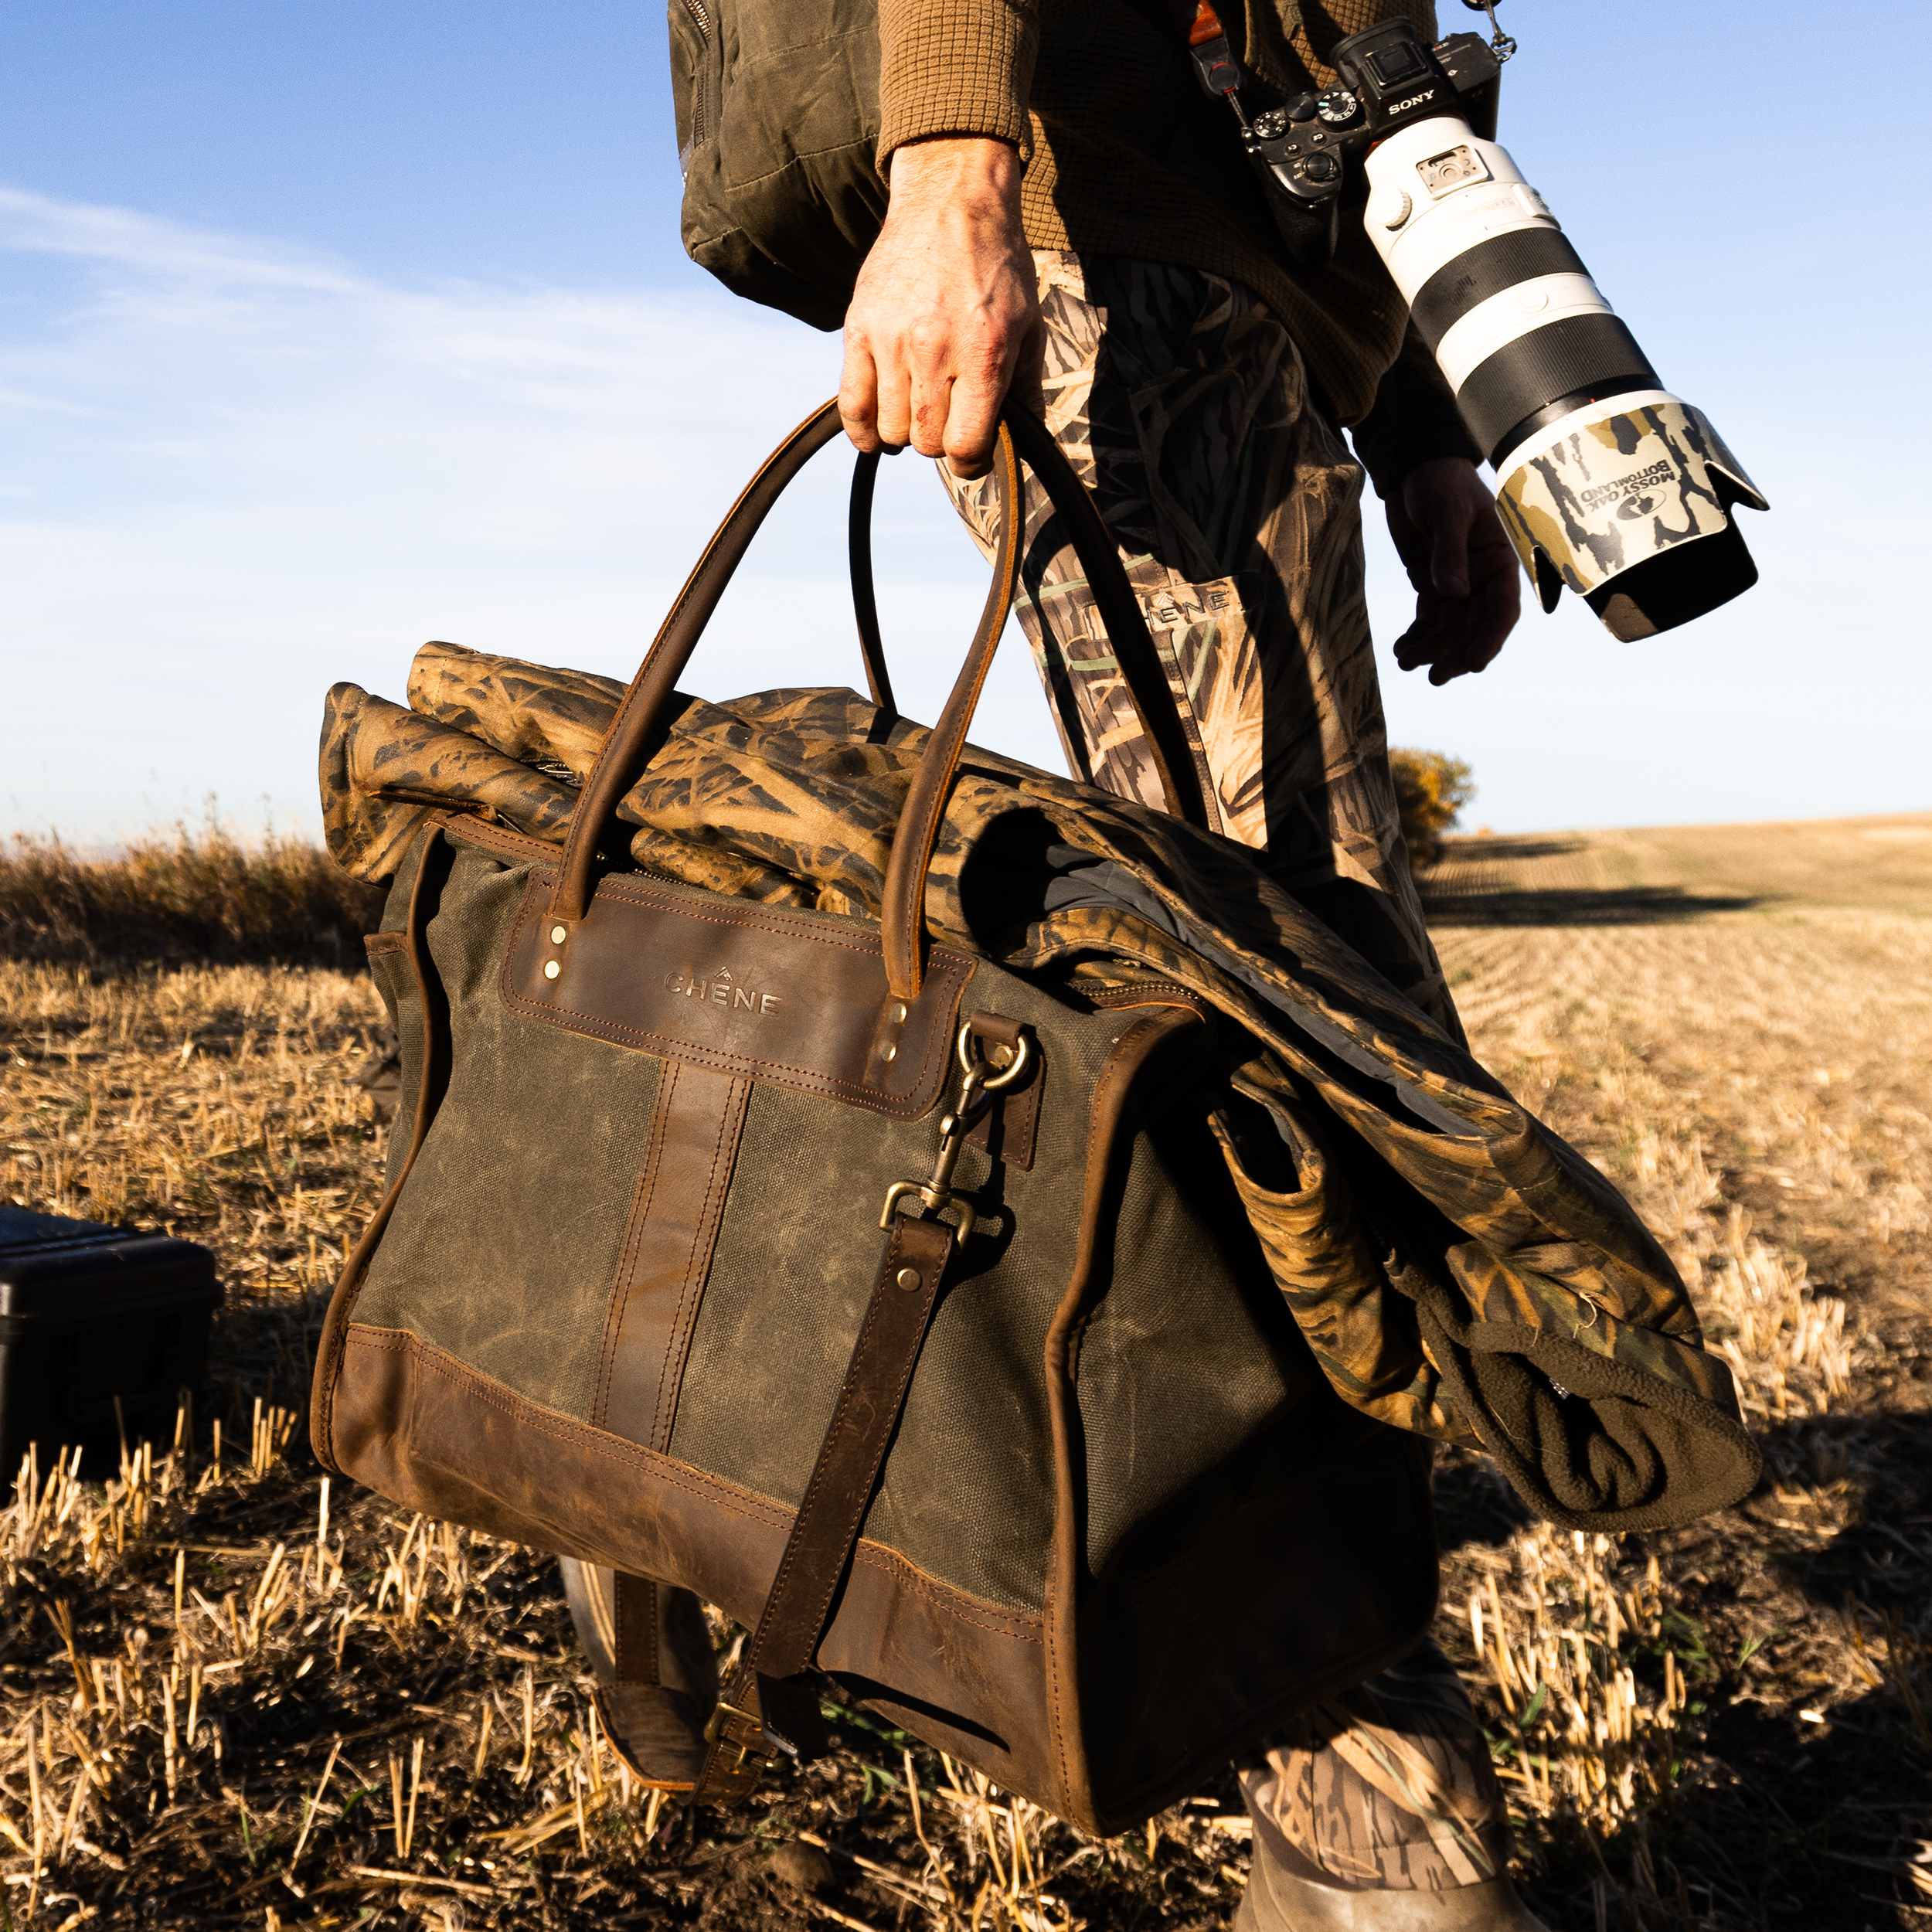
{"x":415,"y":1424}
{"x":1179,"y":1670}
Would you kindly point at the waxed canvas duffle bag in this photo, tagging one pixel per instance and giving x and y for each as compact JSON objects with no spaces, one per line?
{"x":978,"y":1232}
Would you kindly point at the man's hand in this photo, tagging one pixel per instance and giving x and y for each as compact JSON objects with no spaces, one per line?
{"x":1469,"y":594}
{"x":946,"y":312}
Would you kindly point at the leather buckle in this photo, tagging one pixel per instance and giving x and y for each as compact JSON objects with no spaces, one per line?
{"x":742,"y":1753}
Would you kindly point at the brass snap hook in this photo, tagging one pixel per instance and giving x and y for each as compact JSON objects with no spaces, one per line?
{"x":983,"y":1079}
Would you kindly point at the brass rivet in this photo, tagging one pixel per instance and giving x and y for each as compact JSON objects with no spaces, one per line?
{"x":890,"y":1052}
{"x":899,"y":1010}
{"x":551,"y":969}
{"x":559,"y":934}
{"x":908,"y":1278}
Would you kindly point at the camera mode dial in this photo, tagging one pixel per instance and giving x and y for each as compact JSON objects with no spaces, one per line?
{"x":1336,"y":106}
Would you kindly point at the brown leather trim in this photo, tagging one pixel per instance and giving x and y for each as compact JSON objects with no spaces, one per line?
{"x":505,"y":840}
{"x":843,"y":1481}
{"x":766,"y":993}
{"x":379,"y":944}
{"x":633,"y":1629}
{"x":636,"y":727}
{"x":1106,"y":1112}
{"x":1009,"y":1128}
{"x":696,"y":1126}
{"x":903,"y":898}
{"x":433,"y":862}
{"x":416,"y":1425}
{"x":905,"y":1290}
{"x":1205,"y":1657}
{"x":1150,"y":993}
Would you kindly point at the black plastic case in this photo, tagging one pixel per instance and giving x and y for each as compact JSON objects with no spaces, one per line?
{"x":89,"y":1313}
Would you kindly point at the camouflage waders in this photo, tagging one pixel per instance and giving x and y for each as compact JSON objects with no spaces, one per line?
{"x":1182,"y":403}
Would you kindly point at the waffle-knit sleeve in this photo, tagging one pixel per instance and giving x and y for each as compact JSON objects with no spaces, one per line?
{"x":956,"y":67}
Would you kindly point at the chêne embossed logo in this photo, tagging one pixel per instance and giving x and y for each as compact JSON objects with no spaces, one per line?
{"x":721,"y":989}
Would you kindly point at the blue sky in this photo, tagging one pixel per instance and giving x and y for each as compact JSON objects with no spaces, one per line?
{"x":323,"y":331}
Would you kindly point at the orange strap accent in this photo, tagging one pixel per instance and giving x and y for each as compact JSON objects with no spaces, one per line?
{"x":1207,"y":26}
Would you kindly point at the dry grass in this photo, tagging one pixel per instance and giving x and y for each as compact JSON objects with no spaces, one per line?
{"x":1753,"y":1072}
{"x":1877,"y":864}
{"x":225,"y":1700}
{"x":189,"y":893}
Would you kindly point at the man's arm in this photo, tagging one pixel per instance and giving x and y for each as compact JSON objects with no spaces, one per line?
{"x":1443,"y":520}
{"x":946,"y":308}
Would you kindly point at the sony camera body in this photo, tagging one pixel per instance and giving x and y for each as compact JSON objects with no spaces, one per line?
{"x":1607,"y":483}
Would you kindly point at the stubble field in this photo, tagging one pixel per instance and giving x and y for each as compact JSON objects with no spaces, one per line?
{"x":230,"y":1697}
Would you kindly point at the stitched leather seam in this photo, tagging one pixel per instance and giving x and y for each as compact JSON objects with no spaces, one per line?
{"x":1110,"y":1075}
{"x":502,"y":839}
{"x":849,"y":1530}
{"x":697,"y":1267}
{"x":633,"y":1241}
{"x":1018,"y":1625}
{"x":428,"y":1357}
{"x":349,"y":1290}
{"x":1105,"y":1115}
{"x":633,"y":894}
{"x":781,"y":1072}
{"x":630,"y":893}
{"x":572,"y":1019}
{"x":852,"y":1377}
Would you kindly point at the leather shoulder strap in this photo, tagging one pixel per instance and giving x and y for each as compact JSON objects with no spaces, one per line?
{"x":827,"y":1526}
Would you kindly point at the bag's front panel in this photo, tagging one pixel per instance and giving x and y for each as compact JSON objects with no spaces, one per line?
{"x":503,"y":1243}
{"x":967,"y":1494}
{"x":421,"y":1429}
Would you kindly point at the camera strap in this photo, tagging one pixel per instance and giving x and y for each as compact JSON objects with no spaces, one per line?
{"x":1215,"y":65}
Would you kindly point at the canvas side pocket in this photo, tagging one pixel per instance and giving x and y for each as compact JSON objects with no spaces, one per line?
{"x":1362,"y":1331}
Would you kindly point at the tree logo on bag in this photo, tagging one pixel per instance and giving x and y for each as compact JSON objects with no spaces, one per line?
{"x":721,"y":989}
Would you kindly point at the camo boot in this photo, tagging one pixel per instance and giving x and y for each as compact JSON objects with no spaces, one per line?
{"x":1378,"y":1811}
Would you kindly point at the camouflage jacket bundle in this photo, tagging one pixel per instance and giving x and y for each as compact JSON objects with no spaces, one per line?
{"x":1456,"y":1269}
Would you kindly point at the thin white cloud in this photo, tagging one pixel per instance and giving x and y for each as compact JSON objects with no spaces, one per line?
{"x":232,"y":472}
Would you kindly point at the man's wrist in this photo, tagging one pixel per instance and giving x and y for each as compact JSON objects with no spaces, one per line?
{"x":953,"y":164}
{"x":1413,"y":422}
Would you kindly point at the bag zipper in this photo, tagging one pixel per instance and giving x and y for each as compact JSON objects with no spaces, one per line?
{"x":700,"y":18}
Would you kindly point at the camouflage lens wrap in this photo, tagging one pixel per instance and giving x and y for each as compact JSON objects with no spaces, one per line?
{"x":1615,"y":484}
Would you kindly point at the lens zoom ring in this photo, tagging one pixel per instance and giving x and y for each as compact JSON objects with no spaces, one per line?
{"x":1487,"y":269}
{"x":1584,"y":354}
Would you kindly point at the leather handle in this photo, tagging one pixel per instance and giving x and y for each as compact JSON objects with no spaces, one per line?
{"x":902,"y":909}
{"x":637,"y":728}
{"x":865,"y":602}
{"x":635,"y":731}
{"x":1182,"y":776}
